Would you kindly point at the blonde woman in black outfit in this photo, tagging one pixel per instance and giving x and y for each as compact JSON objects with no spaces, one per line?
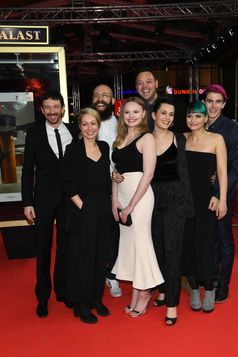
{"x":87,"y":184}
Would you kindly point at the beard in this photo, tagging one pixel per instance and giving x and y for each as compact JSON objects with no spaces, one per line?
{"x":107,"y":112}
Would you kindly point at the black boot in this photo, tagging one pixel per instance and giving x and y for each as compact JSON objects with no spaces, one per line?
{"x":84,"y":313}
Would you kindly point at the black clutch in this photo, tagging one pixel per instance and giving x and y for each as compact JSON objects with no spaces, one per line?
{"x":128,"y":222}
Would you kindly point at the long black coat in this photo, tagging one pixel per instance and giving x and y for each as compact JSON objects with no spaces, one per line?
{"x":74,"y":179}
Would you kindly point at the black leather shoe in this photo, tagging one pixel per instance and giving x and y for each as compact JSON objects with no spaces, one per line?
{"x":221,"y":295}
{"x":84,"y":313}
{"x":42,"y":309}
{"x":101,"y":309}
{"x":67,"y":303}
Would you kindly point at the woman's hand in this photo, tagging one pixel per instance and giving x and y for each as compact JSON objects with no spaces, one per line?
{"x":124,"y":213}
{"x":115,"y":206}
{"x":221,"y":209}
{"x":118,"y":178}
{"x":213,"y":203}
{"x":80,"y":205}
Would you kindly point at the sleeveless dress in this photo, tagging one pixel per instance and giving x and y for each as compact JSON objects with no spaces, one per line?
{"x":168,"y":221}
{"x":136,"y":259}
{"x":199,"y":235}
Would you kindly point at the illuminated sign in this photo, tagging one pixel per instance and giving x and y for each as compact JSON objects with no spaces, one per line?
{"x":170,"y":90}
{"x":27,"y":35}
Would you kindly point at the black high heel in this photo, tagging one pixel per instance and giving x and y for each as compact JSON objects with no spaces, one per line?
{"x":158,"y":302}
{"x":170,"y":321}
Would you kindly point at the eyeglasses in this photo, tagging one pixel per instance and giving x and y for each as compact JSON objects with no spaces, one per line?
{"x":101,"y":95}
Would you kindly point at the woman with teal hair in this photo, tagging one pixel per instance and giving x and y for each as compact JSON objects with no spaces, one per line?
{"x":206,"y":156}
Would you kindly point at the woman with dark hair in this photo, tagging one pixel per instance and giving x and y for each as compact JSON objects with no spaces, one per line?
{"x":135,"y":157}
{"x":87,"y":217}
{"x":173,"y":204}
{"x":206,"y":155}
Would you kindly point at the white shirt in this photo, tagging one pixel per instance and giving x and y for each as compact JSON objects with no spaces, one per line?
{"x":65,"y":137}
{"x":108,"y":132}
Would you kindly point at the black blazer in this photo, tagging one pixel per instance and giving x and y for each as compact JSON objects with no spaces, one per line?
{"x":41,"y":168}
{"x":184,"y":176}
{"x":74,"y":179}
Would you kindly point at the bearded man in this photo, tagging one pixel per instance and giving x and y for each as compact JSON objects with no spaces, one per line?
{"x":103,"y":101}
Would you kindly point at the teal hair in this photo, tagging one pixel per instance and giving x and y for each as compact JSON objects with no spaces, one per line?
{"x":197,"y":107}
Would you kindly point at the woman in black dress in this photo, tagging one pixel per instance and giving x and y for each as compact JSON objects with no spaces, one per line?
{"x":173,"y":204}
{"x":87,"y":184}
{"x":206,"y":155}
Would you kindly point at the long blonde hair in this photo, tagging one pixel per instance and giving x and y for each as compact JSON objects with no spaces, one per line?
{"x":122,"y":128}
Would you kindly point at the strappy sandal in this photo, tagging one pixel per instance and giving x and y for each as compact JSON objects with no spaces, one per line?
{"x":128,"y":309}
{"x":135,"y":313}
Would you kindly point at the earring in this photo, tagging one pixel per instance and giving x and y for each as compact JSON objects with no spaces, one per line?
{"x":171,"y":125}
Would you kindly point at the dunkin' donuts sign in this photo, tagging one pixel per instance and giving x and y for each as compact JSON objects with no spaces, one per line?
{"x":24,"y":35}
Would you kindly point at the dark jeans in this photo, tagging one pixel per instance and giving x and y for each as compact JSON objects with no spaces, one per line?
{"x":224,"y":246}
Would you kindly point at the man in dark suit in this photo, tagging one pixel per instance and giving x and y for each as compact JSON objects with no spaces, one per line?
{"x":43,"y":196}
{"x":215,"y":98}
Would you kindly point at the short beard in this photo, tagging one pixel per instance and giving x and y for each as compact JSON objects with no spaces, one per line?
{"x":105,"y":114}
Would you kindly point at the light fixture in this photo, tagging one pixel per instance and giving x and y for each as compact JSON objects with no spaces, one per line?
{"x":51,"y":61}
{"x":20,"y":66}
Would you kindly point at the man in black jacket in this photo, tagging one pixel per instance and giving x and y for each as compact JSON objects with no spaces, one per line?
{"x":215,"y":98}
{"x":43,"y":196}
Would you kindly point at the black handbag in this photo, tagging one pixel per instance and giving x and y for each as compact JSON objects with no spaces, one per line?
{"x":128,"y":222}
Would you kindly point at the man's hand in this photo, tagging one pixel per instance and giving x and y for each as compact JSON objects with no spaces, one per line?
{"x":29,"y":212}
{"x":118,"y":178}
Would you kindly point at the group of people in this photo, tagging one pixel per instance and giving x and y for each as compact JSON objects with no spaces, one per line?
{"x":133,"y":200}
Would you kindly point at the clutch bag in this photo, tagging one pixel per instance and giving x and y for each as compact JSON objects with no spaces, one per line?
{"x":128,"y":222}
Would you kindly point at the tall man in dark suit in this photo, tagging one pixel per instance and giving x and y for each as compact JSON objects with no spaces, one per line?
{"x":215,"y":98}
{"x":43,"y":197}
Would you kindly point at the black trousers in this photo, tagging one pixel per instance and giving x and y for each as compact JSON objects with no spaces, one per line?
{"x":44,"y":223}
{"x":224,"y":246}
{"x":113,"y":248}
{"x":88,"y":250}
{"x":167,"y":231}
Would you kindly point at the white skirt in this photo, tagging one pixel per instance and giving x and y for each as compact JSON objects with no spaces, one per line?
{"x":136,"y":259}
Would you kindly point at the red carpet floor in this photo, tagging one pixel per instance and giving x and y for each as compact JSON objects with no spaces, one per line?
{"x":22,"y":333}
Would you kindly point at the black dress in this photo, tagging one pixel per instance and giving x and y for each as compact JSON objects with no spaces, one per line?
{"x":169,"y":218}
{"x":199,"y":236}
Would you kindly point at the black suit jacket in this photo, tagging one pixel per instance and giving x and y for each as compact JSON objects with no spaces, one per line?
{"x":74,"y":179}
{"x":41,"y":168}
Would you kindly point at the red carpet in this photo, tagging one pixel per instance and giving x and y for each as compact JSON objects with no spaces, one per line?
{"x":60,"y":334}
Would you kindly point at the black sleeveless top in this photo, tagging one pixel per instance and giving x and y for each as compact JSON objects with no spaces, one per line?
{"x":128,"y":158}
{"x":166,"y":165}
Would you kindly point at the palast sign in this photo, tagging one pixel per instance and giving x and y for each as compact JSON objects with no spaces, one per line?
{"x":24,"y":35}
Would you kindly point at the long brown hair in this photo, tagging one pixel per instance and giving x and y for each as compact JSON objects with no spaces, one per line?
{"x":122,"y":128}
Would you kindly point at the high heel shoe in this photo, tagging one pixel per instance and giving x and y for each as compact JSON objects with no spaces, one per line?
{"x":128,"y":309}
{"x":135,"y":313}
{"x":158,"y":302}
{"x":170,"y":321}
